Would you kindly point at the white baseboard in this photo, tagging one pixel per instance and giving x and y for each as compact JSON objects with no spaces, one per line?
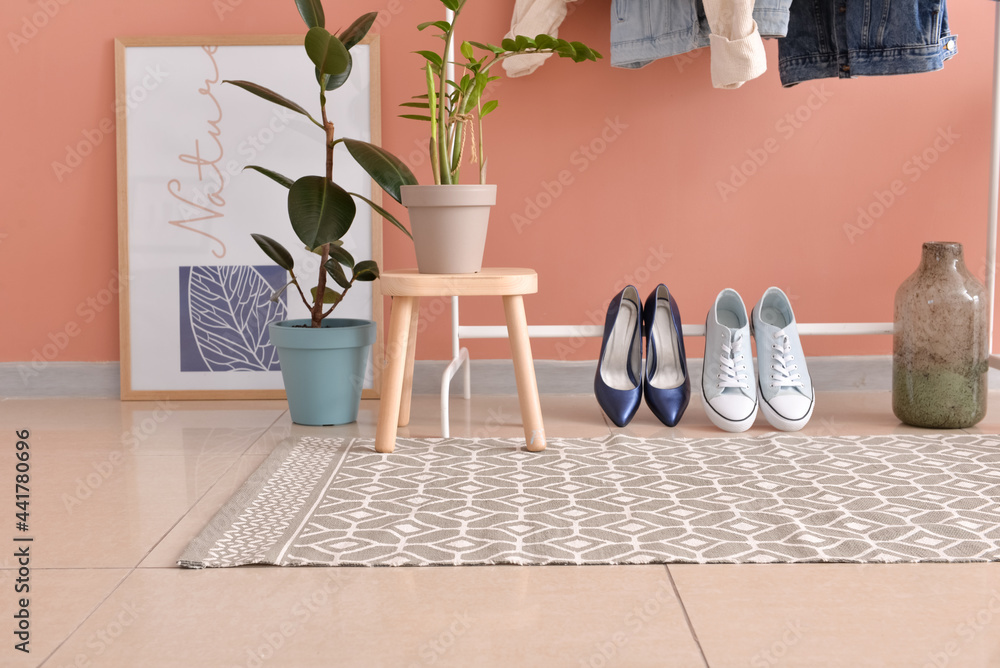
{"x":101,"y":379}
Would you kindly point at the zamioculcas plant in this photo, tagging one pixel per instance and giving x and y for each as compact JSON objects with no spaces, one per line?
{"x":456,"y":109}
{"x":321,"y":212}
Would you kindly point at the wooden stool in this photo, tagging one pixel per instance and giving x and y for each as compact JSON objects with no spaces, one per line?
{"x":406,"y":288}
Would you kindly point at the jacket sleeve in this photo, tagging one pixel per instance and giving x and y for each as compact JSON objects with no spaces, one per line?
{"x":737,"y":49}
{"x":531,"y":18}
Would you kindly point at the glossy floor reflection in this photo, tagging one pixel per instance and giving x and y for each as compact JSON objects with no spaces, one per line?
{"x":118,"y":490}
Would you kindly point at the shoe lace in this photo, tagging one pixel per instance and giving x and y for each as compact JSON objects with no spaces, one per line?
{"x":783,"y":363}
{"x":730,"y":367}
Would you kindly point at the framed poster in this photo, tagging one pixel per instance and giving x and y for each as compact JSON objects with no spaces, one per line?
{"x":196,"y":297}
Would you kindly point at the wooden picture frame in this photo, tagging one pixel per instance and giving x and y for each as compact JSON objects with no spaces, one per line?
{"x":175,"y":238}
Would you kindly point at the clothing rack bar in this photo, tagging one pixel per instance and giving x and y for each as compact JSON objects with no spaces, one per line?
{"x":991,"y":239}
{"x":460,"y":356}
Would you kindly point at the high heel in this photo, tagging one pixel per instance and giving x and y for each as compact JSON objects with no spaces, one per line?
{"x":616,"y":383}
{"x":665,"y":384}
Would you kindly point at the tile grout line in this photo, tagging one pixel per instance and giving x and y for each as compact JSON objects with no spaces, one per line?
{"x":90,"y":614}
{"x":687,"y":617}
{"x":135,"y":568}
{"x":229,"y":468}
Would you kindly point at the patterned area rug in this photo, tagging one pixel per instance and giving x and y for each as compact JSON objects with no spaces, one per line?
{"x":614,"y":500}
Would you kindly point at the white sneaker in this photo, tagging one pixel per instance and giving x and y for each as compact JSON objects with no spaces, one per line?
{"x":729,"y":394}
{"x":786,"y":391}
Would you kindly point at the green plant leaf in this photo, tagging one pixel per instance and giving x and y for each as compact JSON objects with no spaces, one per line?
{"x":274,"y":250}
{"x":274,"y":176}
{"x":508,"y":44}
{"x":271,"y":96}
{"x":467,"y":51}
{"x":311,"y":12}
{"x":385,"y":214}
{"x":330,"y":296}
{"x":522,"y":42}
{"x":432,"y":57}
{"x":416,"y":105}
{"x":453,"y":5}
{"x":335,"y":81}
{"x":357,"y":30}
{"x":544,"y":41}
{"x":320,"y":211}
{"x":326,"y":51}
{"x":488,"y":108}
{"x":340,"y":254}
{"x":584,"y":52}
{"x":444,"y":26}
{"x":276,"y":295}
{"x":337,"y":273}
{"x":414,"y":117}
{"x":366,"y":271}
{"x":386,"y":169}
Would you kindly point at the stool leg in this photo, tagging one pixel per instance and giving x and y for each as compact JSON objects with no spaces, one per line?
{"x":524,"y":373}
{"x":411,"y":351}
{"x":392,"y":376}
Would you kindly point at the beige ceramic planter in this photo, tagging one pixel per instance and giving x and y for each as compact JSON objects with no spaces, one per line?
{"x":449,"y":226}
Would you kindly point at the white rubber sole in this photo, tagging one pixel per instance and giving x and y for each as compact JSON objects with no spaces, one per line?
{"x":784,"y":424}
{"x":731,"y":426}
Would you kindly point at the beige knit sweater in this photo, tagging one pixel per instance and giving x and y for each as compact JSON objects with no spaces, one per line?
{"x":737,"y":49}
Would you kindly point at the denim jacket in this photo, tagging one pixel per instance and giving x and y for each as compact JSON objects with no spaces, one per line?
{"x":645,"y":30}
{"x":848,"y":38}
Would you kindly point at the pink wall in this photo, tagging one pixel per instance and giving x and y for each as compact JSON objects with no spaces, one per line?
{"x":642,"y":204}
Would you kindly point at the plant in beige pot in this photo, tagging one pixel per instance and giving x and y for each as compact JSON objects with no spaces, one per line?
{"x":324,"y":359}
{"x":449,"y":219}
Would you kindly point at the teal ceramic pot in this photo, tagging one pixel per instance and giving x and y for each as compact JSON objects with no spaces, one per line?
{"x":323,"y":369}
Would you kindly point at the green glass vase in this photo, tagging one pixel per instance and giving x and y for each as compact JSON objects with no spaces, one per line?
{"x":940,"y":343}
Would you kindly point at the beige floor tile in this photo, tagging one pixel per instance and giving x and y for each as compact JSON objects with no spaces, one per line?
{"x":102,"y":510}
{"x":63,"y":426}
{"x":169,"y":549}
{"x":58,"y":602}
{"x":400,"y":618}
{"x":482,"y":416}
{"x":845,"y":616}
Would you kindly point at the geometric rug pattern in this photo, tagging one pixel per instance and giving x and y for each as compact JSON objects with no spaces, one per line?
{"x":777,"y":498}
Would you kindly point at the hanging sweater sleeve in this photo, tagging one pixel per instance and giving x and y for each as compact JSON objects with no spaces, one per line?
{"x":531,"y":18}
{"x":737,"y":49}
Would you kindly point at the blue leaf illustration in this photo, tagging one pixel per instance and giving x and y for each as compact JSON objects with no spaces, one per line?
{"x":229,"y":310}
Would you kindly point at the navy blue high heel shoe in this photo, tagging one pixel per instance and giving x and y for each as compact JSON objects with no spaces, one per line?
{"x":665,"y":384}
{"x":617,"y":383}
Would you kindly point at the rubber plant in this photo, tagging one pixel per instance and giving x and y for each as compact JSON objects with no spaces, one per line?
{"x":320,"y":211}
{"x":460,"y":110}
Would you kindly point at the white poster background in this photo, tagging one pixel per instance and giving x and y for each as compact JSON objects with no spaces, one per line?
{"x":189,"y":136}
